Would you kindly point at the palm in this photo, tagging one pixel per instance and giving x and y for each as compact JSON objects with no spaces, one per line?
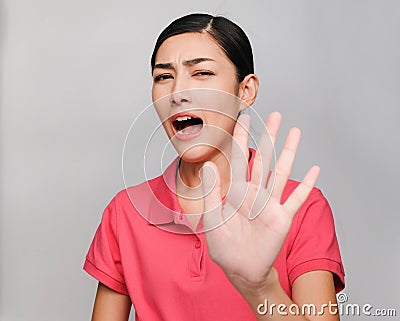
{"x":247,"y":244}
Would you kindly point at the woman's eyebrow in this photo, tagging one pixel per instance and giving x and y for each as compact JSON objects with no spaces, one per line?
{"x":191,"y":62}
{"x":167,"y":65}
{"x":196,"y":61}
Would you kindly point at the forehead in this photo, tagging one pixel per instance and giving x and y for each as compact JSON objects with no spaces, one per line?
{"x":189,"y":46}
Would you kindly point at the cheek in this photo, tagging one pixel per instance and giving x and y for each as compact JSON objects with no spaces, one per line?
{"x":161,"y":111}
{"x":163,"y":116}
{"x":221,"y":126}
{"x":158,"y":103}
{"x":159,"y":91}
{"x":155,"y":93}
{"x":161,"y":107}
{"x":228,"y":82}
{"x":226,"y":108}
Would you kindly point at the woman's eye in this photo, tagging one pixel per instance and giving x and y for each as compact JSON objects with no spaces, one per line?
{"x":203,"y":73}
{"x":162,"y":77}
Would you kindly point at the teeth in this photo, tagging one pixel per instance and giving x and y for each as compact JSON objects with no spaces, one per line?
{"x":183,"y":118}
{"x":180,"y":132}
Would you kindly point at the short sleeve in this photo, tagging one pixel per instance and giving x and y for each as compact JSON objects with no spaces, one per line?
{"x":103,"y":260}
{"x":315,"y":245}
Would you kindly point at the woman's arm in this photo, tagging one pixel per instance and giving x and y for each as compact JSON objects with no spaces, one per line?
{"x":317,"y":287}
{"x":110,"y":305}
{"x":313,"y":293}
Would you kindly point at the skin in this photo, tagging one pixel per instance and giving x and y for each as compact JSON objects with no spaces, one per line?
{"x":110,"y":305}
{"x":252,"y":274}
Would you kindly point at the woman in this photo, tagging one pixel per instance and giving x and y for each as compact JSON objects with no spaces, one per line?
{"x":151,"y":255}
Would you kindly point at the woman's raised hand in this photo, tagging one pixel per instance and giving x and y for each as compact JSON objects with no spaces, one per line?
{"x":246,"y":245}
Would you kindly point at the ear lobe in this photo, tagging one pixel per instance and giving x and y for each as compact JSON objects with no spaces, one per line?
{"x":248,"y":89}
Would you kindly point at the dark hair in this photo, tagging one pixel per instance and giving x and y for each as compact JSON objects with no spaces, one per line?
{"x":229,"y":36}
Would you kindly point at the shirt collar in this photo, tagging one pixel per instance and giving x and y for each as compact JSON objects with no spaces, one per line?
{"x":164,"y":207}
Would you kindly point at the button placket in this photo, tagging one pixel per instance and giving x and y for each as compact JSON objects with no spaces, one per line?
{"x":197,"y":264}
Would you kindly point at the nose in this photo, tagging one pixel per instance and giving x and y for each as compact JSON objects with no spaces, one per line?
{"x":180,"y":94}
{"x":179,"y":98}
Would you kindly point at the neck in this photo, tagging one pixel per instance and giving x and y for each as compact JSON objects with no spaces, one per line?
{"x":188,"y":179}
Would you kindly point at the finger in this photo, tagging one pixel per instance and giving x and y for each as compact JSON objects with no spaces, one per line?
{"x":301,"y":192}
{"x":285,"y":161}
{"x":211,"y":185}
{"x":240,"y":150}
{"x":262,"y":161}
{"x":273,"y":123}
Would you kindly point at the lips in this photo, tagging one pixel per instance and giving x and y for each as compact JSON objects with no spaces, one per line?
{"x":186,"y":125}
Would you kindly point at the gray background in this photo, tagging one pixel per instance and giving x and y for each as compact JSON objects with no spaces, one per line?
{"x":75,"y":73}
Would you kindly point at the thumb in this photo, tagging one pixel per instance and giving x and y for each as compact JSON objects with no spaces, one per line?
{"x":211,"y":185}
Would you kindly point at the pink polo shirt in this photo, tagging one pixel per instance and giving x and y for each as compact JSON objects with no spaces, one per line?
{"x":145,"y":248}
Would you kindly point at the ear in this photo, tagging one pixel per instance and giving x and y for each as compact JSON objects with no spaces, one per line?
{"x":248,"y":89}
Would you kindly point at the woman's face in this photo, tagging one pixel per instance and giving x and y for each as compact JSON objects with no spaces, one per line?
{"x":197,"y":120}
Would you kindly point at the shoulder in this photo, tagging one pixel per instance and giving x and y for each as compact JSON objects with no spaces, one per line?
{"x":131,"y":200}
{"x":314,"y":196}
{"x":131,"y":194}
{"x":315,"y":210}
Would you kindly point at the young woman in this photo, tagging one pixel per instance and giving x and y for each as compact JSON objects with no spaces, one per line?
{"x":262,"y":242}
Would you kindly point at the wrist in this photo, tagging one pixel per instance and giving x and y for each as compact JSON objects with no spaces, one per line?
{"x":256,"y":292}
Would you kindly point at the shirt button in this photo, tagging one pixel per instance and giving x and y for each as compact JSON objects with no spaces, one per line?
{"x":197,"y":244}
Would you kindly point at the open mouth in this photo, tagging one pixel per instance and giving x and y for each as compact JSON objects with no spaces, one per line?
{"x":186,"y":125}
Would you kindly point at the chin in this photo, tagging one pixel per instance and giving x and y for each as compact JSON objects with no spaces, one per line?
{"x":198,"y":154}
